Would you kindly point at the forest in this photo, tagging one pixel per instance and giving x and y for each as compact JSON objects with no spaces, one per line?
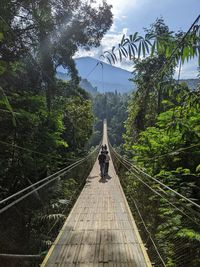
{"x":162,"y":138}
{"x":47,"y":124}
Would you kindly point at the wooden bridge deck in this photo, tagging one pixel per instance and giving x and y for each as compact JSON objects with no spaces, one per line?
{"x":100,"y":230}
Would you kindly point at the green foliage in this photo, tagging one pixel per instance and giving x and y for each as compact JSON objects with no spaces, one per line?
{"x":163,"y":138}
{"x":111,"y":106}
{"x":189,"y":234}
{"x":158,"y":41}
{"x":46,"y":35}
{"x":78,"y":117}
{"x":44,"y":123}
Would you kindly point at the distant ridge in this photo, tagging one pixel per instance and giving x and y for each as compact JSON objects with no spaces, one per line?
{"x":104,"y":77}
{"x":192,"y":83}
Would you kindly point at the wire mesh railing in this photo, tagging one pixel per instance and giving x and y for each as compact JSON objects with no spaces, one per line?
{"x":30,"y":219}
{"x":168,"y":222}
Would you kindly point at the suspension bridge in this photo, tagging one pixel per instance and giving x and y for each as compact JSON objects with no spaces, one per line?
{"x":100,"y":230}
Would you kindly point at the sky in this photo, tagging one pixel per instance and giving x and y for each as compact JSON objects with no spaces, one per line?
{"x":134,"y":15}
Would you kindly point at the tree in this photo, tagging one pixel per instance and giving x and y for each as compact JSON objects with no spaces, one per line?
{"x":145,"y":104}
{"x":49,"y":33}
{"x":111,"y":106}
{"x":176,"y":46}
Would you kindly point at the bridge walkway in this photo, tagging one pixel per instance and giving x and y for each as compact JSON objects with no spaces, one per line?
{"x":100,"y":230}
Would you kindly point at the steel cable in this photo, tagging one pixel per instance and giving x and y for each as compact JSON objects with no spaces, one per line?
{"x":157,"y":193}
{"x":52,"y":178}
{"x":157,"y":181}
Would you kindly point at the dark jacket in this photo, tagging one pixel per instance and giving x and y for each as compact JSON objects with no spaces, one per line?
{"x":102,"y":158}
{"x":104,"y":147}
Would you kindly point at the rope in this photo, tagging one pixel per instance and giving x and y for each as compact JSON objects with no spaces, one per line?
{"x":39,"y":182}
{"x":172,"y":152}
{"x":153,"y":242}
{"x":32,"y":151}
{"x":165,"y":186}
{"x":102,"y":78}
{"x":153,"y":190}
{"x":17,"y":256}
{"x":195,"y":213}
{"x":53,"y":176}
{"x":173,"y":237}
{"x":63,"y":211}
{"x":156,"y":249}
{"x":179,"y":70}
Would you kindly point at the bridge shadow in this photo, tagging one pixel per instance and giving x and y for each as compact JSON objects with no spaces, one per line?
{"x":92,"y":177}
{"x":92,"y":247}
{"x":108,"y":177}
{"x":103,"y":180}
{"x":89,"y":180}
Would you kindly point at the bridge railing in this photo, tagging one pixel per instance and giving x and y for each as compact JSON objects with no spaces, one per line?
{"x":168,"y":222}
{"x":31,"y":218}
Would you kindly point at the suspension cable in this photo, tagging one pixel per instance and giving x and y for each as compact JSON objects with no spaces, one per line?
{"x":41,"y":181}
{"x":153,"y":242}
{"x":174,"y":238}
{"x":171,"y":152}
{"x":53,"y":176}
{"x":155,"y":180}
{"x":185,"y":206}
{"x":153,"y":190}
{"x":92,"y":69}
{"x":31,"y":192}
{"x":32,"y":151}
{"x":148,"y":232}
{"x":63,"y":211}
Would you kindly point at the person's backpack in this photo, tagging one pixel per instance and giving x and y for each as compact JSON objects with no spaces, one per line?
{"x":101,"y":158}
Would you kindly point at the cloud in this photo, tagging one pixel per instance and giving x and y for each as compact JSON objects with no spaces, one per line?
{"x":109,"y":40}
{"x":120,"y":6}
{"x":136,"y":14}
{"x":125,"y":31}
{"x":113,"y":28}
{"x":189,"y":70}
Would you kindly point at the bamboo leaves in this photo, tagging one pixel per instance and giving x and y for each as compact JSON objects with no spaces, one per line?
{"x":184,"y":46}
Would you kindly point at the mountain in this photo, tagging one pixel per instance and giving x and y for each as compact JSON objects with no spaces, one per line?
{"x":62,"y":76}
{"x":105,"y":77}
{"x":85,"y":84}
{"x":192,"y":83}
{"x":102,"y":77}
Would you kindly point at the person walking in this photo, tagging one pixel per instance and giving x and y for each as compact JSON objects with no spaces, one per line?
{"x":104,"y":148}
{"x":107,"y":162}
{"x":102,"y":159}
